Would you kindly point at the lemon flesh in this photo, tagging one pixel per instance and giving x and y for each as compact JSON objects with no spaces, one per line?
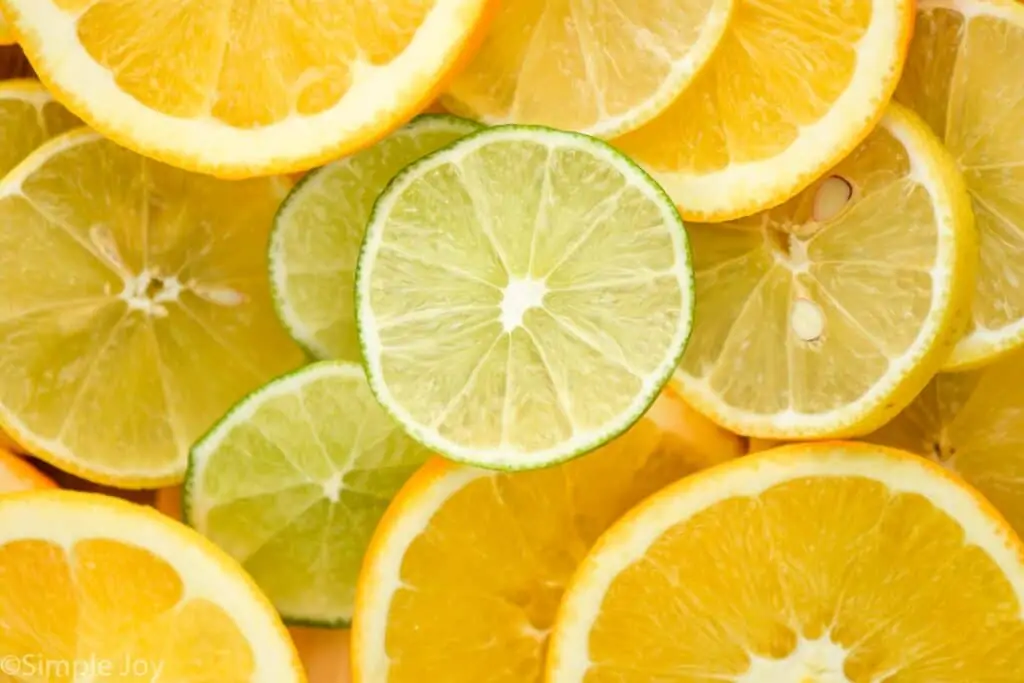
{"x":825,"y":316}
{"x":293,"y":481}
{"x":522,"y":296}
{"x":319,"y":229}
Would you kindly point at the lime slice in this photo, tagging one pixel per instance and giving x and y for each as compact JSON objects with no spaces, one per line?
{"x":319,"y":228}
{"x":292,"y":482}
{"x":522,"y":296}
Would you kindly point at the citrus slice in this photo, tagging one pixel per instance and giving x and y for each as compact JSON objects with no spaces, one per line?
{"x":602,"y":68}
{"x":6,"y":34}
{"x":17,"y":475}
{"x":961,"y":78}
{"x":292,"y":482}
{"x":91,"y":581}
{"x":540,"y":281}
{"x":467,"y":567}
{"x":29,"y":116}
{"x":793,"y":87}
{"x":971,"y":423}
{"x":243,"y":89}
{"x":820,"y":562}
{"x":826,"y":316}
{"x":319,"y":228}
{"x":134,"y":307}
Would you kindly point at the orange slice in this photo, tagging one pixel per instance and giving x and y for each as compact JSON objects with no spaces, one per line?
{"x":17,"y":475}
{"x":238,"y":89}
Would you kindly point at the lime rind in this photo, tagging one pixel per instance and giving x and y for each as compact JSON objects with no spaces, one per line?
{"x":274,"y":492}
{"x":652,"y":383}
{"x":304,"y":331}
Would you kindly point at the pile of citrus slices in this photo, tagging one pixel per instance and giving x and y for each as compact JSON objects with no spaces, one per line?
{"x":465,"y":341}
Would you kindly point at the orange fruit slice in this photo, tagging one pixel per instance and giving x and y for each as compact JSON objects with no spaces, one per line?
{"x":94,"y":581}
{"x":818,"y":562}
{"x":243,"y":89}
{"x":467,"y":567}
{"x":793,"y":87}
{"x":16,"y":474}
{"x":602,"y":68}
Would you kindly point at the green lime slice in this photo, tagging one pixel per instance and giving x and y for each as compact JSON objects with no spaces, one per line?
{"x":522,"y":296}
{"x":319,"y":228}
{"x":292,"y":483}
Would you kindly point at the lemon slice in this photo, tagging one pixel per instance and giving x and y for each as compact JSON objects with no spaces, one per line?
{"x":793,"y":87}
{"x":319,"y":228}
{"x":29,"y":116}
{"x":963,"y":77}
{"x":538,"y":280}
{"x":17,"y":475}
{"x":466,"y":569}
{"x":823,"y":562}
{"x":971,"y":423}
{"x":134,"y":307}
{"x":825,"y":317}
{"x":602,"y":68}
{"x":108,"y":589}
{"x":302,"y":469}
{"x":243,"y":89}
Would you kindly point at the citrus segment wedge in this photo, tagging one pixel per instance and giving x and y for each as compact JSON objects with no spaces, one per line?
{"x":319,"y":228}
{"x":822,"y":562}
{"x":134,"y":307}
{"x":92,"y":581}
{"x":961,"y":77}
{"x":16,"y":474}
{"x":245,"y":89}
{"x":825,"y":316}
{"x":971,"y":423}
{"x":602,"y":68}
{"x":466,"y":569}
{"x":539,"y":280}
{"x":793,"y":87}
{"x":292,"y":482}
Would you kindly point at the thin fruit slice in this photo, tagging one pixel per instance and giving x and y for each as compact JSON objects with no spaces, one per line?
{"x":602,"y":68}
{"x":29,"y":116}
{"x":319,"y":228}
{"x":243,"y":89}
{"x":826,"y":316}
{"x":819,"y":562}
{"x":292,"y":482}
{"x":17,"y":475}
{"x":464,"y":574}
{"x":542,"y":283}
{"x":971,"y":423}
{"x":963,"y":76}
{"x":794,"y":86}
{"x":90,"y":579}
{"x":134,"y":307}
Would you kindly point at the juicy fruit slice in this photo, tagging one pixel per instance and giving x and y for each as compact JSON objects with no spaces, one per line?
{"x":244,"y":89}
{"x":320,"y":227}
{"x":972,"y":423}
{"x":134,"y":307}
{"x":29,"y":116}
{"x":6,"y":34}
{"x":963,"y":77}
{"x":825,"y":317}
{"x":17,"y":475}
{"x":539,"y":279}
{"x":831,"y":562}
{"x":467,"y":567}
{"x":292,"y":482}
{"x":93,"y":578}
{"x":602,"y":68}
{"x":793,"y":87}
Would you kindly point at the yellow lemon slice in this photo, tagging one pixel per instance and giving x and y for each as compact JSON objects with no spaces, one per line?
{"x":134,"y":307}
{"x":466,"y":569}
{"x":29,"y":116}
{"x":963,"y":76}
{"x":823,"y":562}
{"x":602,"y":68}
{"x":239,"y":89}
{"x":105,"y":589}
{"x":793,"y":87}
{"x":825,"y":316}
